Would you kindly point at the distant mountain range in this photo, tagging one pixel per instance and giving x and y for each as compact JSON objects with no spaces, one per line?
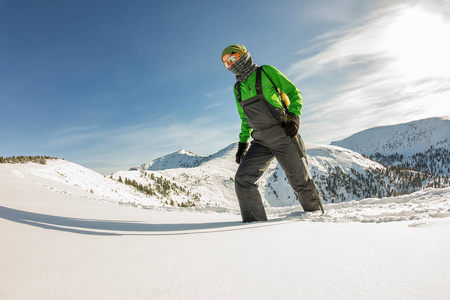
{"x":423,"y":145}
{"x":212,"y":178}
{"x":179,"y":159}
{"x":406,"y":139}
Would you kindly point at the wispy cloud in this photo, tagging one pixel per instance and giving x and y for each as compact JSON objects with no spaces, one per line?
{"x":220,"y":93}
{"x":107,"y":150}
{"x":218,"y":98}
{"x":392,"y":67}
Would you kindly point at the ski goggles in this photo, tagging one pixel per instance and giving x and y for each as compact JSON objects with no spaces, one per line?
{"x":232,"y":59}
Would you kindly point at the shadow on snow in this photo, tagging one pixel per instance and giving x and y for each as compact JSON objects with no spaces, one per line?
{"x":117,"y":228}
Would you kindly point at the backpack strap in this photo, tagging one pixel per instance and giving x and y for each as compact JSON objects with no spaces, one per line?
{"x":258,"y":84}
{"x":276,"y":89}
{"x":237,"y":87}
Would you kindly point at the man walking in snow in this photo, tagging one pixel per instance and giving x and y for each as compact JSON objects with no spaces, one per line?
{"x":273,"y":122}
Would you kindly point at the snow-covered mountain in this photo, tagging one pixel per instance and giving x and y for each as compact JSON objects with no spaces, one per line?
{"x":407,"y":139}
{"x":423,"y":145}
{"x":179,"y":159}
{"x":192,"y":180}
{"x":340,"y":174}
{"x":208,"y":183}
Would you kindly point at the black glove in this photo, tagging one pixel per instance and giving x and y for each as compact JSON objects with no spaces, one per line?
{"x":242,"y":149}
{"x":291,"y":125}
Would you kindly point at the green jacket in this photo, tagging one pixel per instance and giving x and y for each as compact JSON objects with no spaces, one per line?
{"x":248,"y":90}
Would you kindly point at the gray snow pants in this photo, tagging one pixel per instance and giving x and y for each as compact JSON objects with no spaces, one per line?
{"x":269,"y":144}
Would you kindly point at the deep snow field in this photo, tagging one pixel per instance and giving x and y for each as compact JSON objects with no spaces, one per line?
{"x":59,"y":241}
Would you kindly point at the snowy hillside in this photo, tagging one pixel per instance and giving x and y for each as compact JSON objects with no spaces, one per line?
{"x":67,"y":178}
{"x":423,"y":145}
{"x":343,"y":175}
{"x":179,"y":159}
{"x":340,"y":174}
{"x":210,"y":184}
{"x":407,"y":139}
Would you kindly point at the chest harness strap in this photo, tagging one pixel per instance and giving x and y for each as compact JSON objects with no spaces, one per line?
{"x":258,"y":87}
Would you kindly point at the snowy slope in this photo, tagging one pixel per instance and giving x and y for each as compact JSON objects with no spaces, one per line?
{"x":65,"y":177}
{"x":407,"y":139}
{"x":423,"y":145}
{"x":211,"y":183}
{"x":179,"y":159}
{"x":340,"y":174}
{"x":57,"y":243}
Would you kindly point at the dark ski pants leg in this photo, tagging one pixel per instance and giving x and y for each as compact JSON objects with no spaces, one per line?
{"x":295,"y":166}
{"x":255,"y":163}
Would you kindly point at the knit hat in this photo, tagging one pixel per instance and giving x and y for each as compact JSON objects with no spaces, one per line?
{"x":233,"y":49}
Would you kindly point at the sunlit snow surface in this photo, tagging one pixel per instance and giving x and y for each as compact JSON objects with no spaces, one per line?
{"x":63,"y":236}
{"x":420,"y":206}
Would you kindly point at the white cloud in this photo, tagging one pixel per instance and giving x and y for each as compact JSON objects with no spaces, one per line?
{"x":393,"y":67}
{"x":226,"y":91}
{"x":109,"y":150}
{"x":218,"y":98}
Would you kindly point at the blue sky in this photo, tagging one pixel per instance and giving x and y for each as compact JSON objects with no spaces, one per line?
{"x":113,"y":84}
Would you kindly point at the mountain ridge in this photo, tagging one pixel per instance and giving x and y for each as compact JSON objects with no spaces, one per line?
{"x":179,"y":159}
{"x":340,"y":174}
{"x":405,"y":138}
{"x":423,"y":145}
